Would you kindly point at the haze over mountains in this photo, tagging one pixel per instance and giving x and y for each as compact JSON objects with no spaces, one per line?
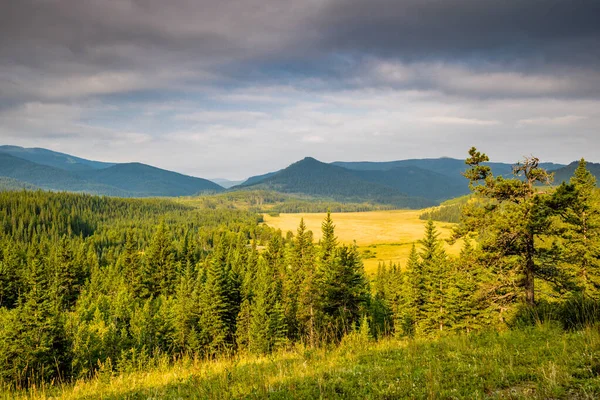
{"x":50,"y":170}
{"x":413,"y":183}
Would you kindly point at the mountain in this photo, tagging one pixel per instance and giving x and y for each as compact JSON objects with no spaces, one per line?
{"x":314,"y":178}
{"x":418,"y":182}
{"x":434,"y":179}
{"x":142,"y":180}
{"x":257,"y":178}
{"x":50,"y":178}
{"x":565,"y":173}
{"x":54,"y":159}
{"x":74,"y":174}
{"x":451,"y":167}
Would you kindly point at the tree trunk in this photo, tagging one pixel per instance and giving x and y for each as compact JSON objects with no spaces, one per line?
{"x":529,"y":272}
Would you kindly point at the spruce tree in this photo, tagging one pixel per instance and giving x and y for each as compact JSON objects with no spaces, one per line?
{"x":185,"y":314}
{"x":345,"y":291}
{"x":258,"y":334}
{"x":214,"y":312}
{"x":300,"y":261}
{"x":415,"y":296}
{"x":131,"y":264}
{"x":466,"y":306}
{"x":434,"y":264}
{"x":578,"y":205}
{"x":41,"y":348}
{"x":160,"y":271}
{"x":328,"y":239}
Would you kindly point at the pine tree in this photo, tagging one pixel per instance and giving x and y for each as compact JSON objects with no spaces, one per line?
{"x":511,"y":218}
{"x":395,"y":299}
{"x":214,"y":313}
{"x":41,"y":345}
{"x":466,"y":307}
{"x":380,"y":308}
{"x":435,"y":266}
{"x":328,"y":239}
{"x":131,"y":265}
{"x":579,"y":210}
{"x":10,"y":281}
{"x":258,"y":334}
{"x":185,"y":314}
{"x":66,"y":276}
{"x":345,"y":291}
{"x":416,"y":292}
{"x":160,"y":271}
{"x":300,"y":262}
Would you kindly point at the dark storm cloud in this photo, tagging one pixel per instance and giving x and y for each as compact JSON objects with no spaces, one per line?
{"x":181,"y":40}
{"x":565,"y":31}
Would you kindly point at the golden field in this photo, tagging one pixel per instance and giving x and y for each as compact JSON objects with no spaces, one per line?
{"x":382,"y":236}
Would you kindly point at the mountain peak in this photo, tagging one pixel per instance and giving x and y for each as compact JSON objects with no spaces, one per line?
{"x":309,"y":159}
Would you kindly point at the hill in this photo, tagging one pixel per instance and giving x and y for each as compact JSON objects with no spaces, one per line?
{"x":418,"y":182}
{"x":142,"y":180}
{"x":433,"y":179}
{"x":314,"y":178}
{"x":450,"y":167}
{"x":54,"y":159}
{"x":565,"y":173}
{"x":258,"y":178}
{"x":50,"y":178}
{"x":62,"y":172}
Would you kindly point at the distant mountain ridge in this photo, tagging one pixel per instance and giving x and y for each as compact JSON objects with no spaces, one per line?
{"x":565,"y":173}
{"x":452,"y":167}
{"x":54,"y":159}
{"x":50,"y":170}
{"x":314,"y":178}
{"x":403,"y":183}
{"x":433,"y":179}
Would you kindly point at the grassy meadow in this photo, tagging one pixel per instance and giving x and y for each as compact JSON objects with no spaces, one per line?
{"x":539,"y":362}
{"x":382,"y":236}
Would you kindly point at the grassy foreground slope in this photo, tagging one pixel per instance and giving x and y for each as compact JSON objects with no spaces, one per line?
{"x":535,"y":362}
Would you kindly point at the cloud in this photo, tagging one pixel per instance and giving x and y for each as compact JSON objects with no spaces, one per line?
{"x":552,"y":121}
{"x":444,"y":120}
{"x":313,"y":139}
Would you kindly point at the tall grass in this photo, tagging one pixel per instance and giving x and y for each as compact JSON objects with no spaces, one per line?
{"x":541,"y":361}
{"x":576,"y":312}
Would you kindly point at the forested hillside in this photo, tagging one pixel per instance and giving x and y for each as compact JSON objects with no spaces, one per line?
{"x":54,"y":159}
{"x":434,"y":180}
{"x":565,"y":173}
{"x":51,"y":178}
{"x":50,"y":170}
{"x":314,"y":178}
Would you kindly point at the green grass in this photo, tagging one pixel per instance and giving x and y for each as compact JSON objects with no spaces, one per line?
{"x":536,"y":362}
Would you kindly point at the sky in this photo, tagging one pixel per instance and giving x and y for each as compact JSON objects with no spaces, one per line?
{"x":233,"y":88}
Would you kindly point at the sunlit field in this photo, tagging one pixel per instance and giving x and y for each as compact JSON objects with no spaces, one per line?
{"x":382,"y":236}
